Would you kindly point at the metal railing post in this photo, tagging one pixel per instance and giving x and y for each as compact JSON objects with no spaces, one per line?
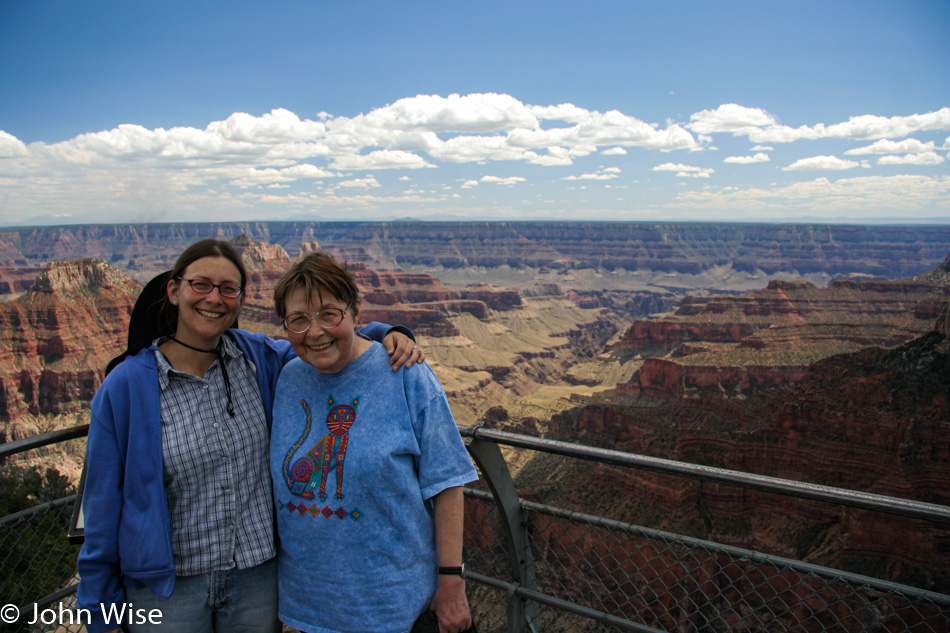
{"x":522,"y":615}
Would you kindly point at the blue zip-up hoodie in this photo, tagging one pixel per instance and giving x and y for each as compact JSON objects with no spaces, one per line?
{"x":127,"y":526}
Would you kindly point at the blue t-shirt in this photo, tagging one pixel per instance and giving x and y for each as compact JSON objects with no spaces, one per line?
{"x":355,"y":458}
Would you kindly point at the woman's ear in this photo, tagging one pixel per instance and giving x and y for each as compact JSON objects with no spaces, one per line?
{"x":171,"y":289}
{"x":355,"y":308}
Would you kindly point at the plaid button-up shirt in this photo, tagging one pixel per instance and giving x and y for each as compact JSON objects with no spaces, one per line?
{"x":217,"y":477}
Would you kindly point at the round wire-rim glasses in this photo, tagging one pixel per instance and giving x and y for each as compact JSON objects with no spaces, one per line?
{"x":204,"y":287}
{"x":298,"y":322}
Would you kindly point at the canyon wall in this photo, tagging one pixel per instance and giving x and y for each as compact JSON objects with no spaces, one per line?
{"x":875,"y":420}
{"x":682,"y":248}
{"x":59,"y":337}
{"x":735,"y":345}
{"x":776,"y":381}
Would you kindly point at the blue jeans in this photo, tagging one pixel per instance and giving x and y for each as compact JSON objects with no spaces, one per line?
{"x":232,"y":601}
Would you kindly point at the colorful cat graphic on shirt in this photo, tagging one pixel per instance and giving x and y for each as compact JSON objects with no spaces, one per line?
{"x":327,"y":456}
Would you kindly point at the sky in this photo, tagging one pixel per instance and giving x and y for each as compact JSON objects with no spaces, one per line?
{"x":118,"y":111}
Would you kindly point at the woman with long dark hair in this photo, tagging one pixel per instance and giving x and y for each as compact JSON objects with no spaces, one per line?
{"x":177,"y":499}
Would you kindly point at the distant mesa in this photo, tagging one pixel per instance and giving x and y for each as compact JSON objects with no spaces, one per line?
{"x":680,"y":248}
{"x":80,"y":278}
{"x":736,"y":345}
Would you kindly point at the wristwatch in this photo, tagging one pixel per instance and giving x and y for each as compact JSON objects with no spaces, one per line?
{"x":453,"y":571}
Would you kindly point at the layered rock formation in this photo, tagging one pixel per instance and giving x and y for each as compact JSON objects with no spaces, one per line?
{"x":890,"y":251}
{"x":265,"y":263}
{"x":58,"y":337}
{"x":529,"y":351}
{"x":14,"y":281}
{"x":939,"y":276}
{"x":874,"y":420}
{"x":735,"y":345}
{"x":416,"y":300}
{"x":388,"y":294}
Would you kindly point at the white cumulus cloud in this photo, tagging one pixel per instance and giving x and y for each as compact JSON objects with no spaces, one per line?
{"x":762,"y":127}
{"x":864,"y":127}
{"x":685,"y":171}
{"x":760,"y":157}
{"x":860,"y":196}
{"x":360,"y":183}
{"x":509,"y":180}
{"x":924,"y":158}
{"x":604,"y":174}
{"x":233,"y":166}
{"x":730,"y":118}
{"x":11,"y":146}
{"x":277,"y":126}
{"x":821,"y":163}
{"x":886,"y":146}
{"x":380,"y":159}
{"x":254,"y":177}
{"x":474,"y":113}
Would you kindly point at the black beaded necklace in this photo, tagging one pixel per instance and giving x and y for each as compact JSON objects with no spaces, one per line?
{"x":217,"y":351}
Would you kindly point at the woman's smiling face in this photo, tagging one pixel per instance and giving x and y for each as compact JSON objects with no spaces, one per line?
{"x":202,"y":318}
{"x":329,"y":350}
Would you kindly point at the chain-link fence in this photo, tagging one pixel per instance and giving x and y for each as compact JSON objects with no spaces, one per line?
{"x":673,"y":583}
{"x":37,"y":563}
{"x":37,"y":560}
{"x":539,"y":568}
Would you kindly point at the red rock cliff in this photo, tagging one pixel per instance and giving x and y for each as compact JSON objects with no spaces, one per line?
{"x":416,"y":300}
{"x":875,"y":420}
{"x":735,"y":345}
{"x":58,"y":338}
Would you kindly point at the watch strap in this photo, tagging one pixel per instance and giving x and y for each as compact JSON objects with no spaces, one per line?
{"x":452,"y":571}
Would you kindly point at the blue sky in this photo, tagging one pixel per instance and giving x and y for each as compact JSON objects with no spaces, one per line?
{"x":711,"y":111}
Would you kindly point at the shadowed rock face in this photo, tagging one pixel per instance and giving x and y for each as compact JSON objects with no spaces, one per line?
{"x":875,"y":420}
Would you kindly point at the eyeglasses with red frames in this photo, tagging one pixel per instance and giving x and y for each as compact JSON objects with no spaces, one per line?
{"x":203,"y":287}
{"x":298,"y":322}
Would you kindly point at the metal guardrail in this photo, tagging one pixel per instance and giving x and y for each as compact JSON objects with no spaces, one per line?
{"x":617,"y":576}
{"x":35,"y":553}
{"x":44,"y":439}
{"x":539,"y":568}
